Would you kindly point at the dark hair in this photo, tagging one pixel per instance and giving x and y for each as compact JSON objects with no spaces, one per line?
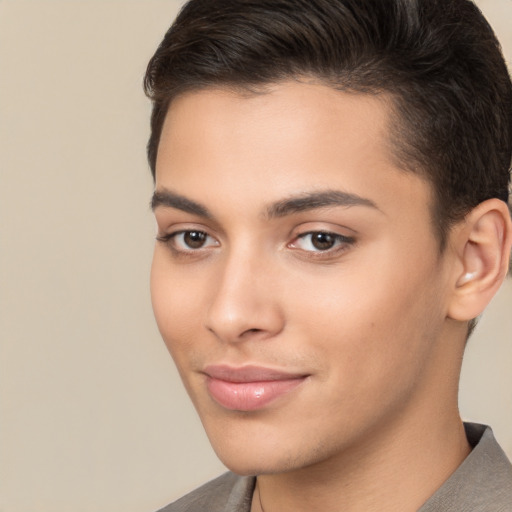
{"x":438,"y":60}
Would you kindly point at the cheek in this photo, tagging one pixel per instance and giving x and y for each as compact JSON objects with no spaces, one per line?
{"x":161,"y":293}
{"x":175,"y":306}
{"x":370,"y":324}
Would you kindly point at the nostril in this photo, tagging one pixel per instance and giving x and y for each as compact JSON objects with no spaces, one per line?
{"x":251,"y":332}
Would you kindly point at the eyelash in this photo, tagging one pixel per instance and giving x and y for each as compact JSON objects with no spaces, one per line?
{"x":340,"y":243}
{"x":170,"y":241}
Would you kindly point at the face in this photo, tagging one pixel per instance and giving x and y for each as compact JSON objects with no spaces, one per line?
{"x":296,"y":278}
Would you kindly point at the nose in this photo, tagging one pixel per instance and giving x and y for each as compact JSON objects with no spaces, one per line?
{"x":245,"y":304}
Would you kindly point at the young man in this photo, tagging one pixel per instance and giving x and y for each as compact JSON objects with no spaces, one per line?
{"x":331,"y":198}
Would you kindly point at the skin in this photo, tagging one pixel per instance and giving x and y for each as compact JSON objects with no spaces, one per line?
{"x":370,"y":321}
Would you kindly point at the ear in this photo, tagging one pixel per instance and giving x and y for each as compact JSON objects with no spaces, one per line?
{"x":482,"y":243}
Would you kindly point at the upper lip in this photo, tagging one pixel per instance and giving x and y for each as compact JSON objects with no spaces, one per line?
{"x":249,"y":373}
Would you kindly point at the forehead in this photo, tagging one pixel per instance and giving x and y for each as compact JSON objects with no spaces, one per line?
{"x":294,"y":110}
{"x":293,"y":138}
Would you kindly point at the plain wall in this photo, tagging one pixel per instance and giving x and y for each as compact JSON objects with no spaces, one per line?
{"x":93,"y":416}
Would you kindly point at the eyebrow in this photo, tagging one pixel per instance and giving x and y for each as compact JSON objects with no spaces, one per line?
{"x":314,"y":200}
{"x":169,"y":199}
{"x":282,"y":208}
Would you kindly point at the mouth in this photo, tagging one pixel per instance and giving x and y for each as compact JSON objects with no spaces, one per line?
{"x":249,"y":388}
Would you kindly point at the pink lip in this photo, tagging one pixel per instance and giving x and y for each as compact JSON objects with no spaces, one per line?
{"x":249,"y":388}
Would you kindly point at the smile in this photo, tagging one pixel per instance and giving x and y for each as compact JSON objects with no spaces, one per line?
{"x":249,"y":388}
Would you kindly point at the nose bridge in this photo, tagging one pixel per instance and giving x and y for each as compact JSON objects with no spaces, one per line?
{"x":243,"y":301}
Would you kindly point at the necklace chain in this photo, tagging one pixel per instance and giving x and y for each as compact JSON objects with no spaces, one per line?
{"x":259,"y":497}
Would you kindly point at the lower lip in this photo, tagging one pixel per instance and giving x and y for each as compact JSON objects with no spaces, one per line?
{"x":249,"y":396}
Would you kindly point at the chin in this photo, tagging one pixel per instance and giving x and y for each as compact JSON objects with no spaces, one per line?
{"x":255,"y":467}
{"x":247,"y":460}
{"x":257,"y":456}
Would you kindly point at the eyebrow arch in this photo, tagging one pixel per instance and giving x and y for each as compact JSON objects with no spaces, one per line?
{"x":294,"y":204}
{"x":322,"y":199}
{"x":169,"y":199}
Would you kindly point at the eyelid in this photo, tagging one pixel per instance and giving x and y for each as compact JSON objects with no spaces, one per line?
{"x":169,"y":239}
{"x":167,"y":227}
{"x":341,"y":243}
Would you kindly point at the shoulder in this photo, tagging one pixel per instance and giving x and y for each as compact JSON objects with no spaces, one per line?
{"x":483,"y":482}
{"x":227,"y":493}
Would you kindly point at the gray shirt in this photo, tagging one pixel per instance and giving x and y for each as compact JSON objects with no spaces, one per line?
{"x":482,"y":483}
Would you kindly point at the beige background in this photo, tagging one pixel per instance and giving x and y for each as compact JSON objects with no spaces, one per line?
{"x":93,"y":417}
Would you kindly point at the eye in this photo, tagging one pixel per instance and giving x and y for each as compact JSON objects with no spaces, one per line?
{"x":320,"y":241}
{"x":190,"y":240}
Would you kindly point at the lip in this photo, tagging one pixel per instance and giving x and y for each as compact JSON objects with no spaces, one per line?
{"x":249,"y":388}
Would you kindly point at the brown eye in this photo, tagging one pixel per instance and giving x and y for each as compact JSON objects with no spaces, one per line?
{"x":323,"y":241}
{"x":194,"y":239}
{"x":188,"y":241}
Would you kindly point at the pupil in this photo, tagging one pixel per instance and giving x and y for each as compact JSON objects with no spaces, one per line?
{"x":194,"y":239}
{"x":322,"y":241}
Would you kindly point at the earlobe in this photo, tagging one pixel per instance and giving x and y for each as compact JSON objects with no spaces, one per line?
{"x":484,"y":244}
